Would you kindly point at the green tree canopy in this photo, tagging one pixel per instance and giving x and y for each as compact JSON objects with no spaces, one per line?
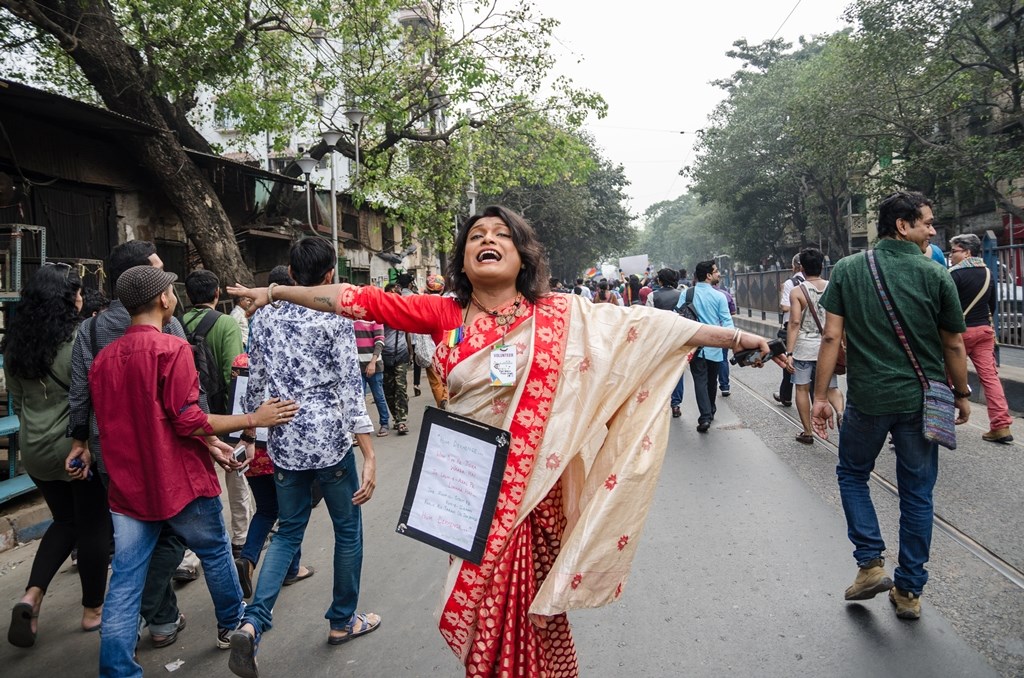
{"x":426,"y":76}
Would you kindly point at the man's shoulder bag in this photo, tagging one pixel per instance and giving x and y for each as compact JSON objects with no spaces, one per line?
{"x":938,"y":415}
{"x":840,"y":367}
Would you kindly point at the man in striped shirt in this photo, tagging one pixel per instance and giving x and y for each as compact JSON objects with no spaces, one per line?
{"x":369,"y":344}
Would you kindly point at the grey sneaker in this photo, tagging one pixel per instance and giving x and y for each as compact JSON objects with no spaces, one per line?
{"x":871,"y":580}
{"x":908,"y":605}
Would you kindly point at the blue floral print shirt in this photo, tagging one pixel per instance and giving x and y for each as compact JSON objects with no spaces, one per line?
{"x":309,"y":356}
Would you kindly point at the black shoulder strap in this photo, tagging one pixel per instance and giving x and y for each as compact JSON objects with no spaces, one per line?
{"x":206,"y":324}
{"x":60,"y":382}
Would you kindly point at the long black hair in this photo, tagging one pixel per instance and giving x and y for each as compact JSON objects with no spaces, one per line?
{"x":45,"y":319}
{"x":532,"y":280}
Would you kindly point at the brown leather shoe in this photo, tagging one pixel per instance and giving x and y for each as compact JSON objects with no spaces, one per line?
{"x":871,"y":580}
{"x":908,"y":605}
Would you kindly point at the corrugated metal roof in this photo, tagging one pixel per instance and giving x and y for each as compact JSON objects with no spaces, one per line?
{"x":77,"y":114}
{"x":202,"y":157}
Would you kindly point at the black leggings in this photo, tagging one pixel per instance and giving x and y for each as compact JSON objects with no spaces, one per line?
{"x":81,"y":517}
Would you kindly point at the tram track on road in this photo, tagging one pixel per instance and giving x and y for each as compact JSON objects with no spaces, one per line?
{"x":1005,"y":569}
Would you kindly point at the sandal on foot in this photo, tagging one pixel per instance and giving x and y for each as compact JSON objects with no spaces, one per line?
{"x":288,"y":581}
{"x":805,"y":438}
{"x":368,"y":623}
{"x":383,"y":431}
{"x":242,"y":661}
{"x":20,"y":634}
{"x":402,"y":429}
{"x":172,"y":637}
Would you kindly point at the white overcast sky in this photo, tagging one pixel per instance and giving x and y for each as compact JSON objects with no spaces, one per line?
{"x":652,"y":61}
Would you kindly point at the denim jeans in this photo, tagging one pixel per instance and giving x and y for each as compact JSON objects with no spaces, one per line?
{"x":705,"y":387}
{"x":917,"y":468}
{"x":201,"y":526}
{"x":264,"y":492}
{"x":376,"y":384}
{"x":677,"y":392}
{"x":339,"y":483}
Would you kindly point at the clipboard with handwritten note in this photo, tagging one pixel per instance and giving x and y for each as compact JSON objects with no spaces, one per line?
{"x":453,"y":489}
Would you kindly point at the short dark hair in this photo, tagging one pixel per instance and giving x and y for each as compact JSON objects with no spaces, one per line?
{"x":904,"y":205}
{"x":126,"y":255}
{"x":201,"y":286}
{"x":311,"y":259}
{"x":404,"y":279}
{"x":93,"y":301}
{"x":279,"y":276}
{"x":703,"y":270}
{"x":668,"y":277}
{"x":532,"y":280}
{"x":579,"y":281}
{"x":682,"y":273}
{"x":811,"y":261}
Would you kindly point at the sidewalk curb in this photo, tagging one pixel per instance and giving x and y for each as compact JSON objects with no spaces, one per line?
{"x":25,"y":523}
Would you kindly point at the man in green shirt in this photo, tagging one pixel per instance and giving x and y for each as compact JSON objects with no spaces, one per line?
{"x":884,"y":393}
{"x":225,"y":341}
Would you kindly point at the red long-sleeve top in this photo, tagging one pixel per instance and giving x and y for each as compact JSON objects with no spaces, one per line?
{"x":145,"y":391}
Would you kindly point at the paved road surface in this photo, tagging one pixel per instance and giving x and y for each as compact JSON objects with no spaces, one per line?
{"x":740,"y":572}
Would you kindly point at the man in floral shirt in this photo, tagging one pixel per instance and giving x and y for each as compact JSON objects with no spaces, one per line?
{"x":311,"y":356}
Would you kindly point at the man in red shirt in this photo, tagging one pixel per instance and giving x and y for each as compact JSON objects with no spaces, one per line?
{"x":145,"y":392}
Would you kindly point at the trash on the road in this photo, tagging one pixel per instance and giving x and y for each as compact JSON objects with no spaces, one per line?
{"x":175,"y":665}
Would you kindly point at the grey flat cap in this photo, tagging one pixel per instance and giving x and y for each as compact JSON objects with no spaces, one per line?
{"x":141,"y":284}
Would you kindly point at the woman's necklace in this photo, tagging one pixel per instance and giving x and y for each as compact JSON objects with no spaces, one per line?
{"x":501,"y":319}
{"x":454,"y":337}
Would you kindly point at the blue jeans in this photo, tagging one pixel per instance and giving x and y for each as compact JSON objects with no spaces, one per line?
{"x":917,"y":468}
{"x":677,"y":392}
{"x":201,"y":527}
{"x":264,"y":493}
{"x":723,"y":371}
{"x":339,"y":483}
{"x":376,"y":384}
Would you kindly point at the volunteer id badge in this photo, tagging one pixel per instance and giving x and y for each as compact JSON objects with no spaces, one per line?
{"x":503,"y":366}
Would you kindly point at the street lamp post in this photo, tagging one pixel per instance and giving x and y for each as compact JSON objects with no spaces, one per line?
{"x":306,"y":164}
{"x":331,"y":138}
{"x":356,"y":117}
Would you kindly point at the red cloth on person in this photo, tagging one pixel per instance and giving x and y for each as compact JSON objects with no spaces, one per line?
{"x":145,"y":392}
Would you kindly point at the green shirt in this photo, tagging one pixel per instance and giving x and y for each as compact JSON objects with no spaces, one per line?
{"x":224,"y":338}
{"x":879,"y":375}
{"x":42,"y":408}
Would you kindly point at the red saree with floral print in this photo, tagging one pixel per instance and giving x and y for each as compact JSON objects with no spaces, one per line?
{"x":588,"y":418}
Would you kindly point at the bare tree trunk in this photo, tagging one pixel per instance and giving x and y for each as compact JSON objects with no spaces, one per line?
{"x":87,"y":31}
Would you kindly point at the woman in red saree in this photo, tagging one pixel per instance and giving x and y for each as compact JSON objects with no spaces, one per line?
{"x":588,"y":427}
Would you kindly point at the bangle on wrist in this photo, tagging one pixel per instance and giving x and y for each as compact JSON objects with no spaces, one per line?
{"x":246,"y":438}
{"x":270,"y":292}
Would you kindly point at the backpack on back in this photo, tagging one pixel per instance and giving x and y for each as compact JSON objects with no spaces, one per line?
{"x":687,"y":309}
{"x":211,"y":376}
